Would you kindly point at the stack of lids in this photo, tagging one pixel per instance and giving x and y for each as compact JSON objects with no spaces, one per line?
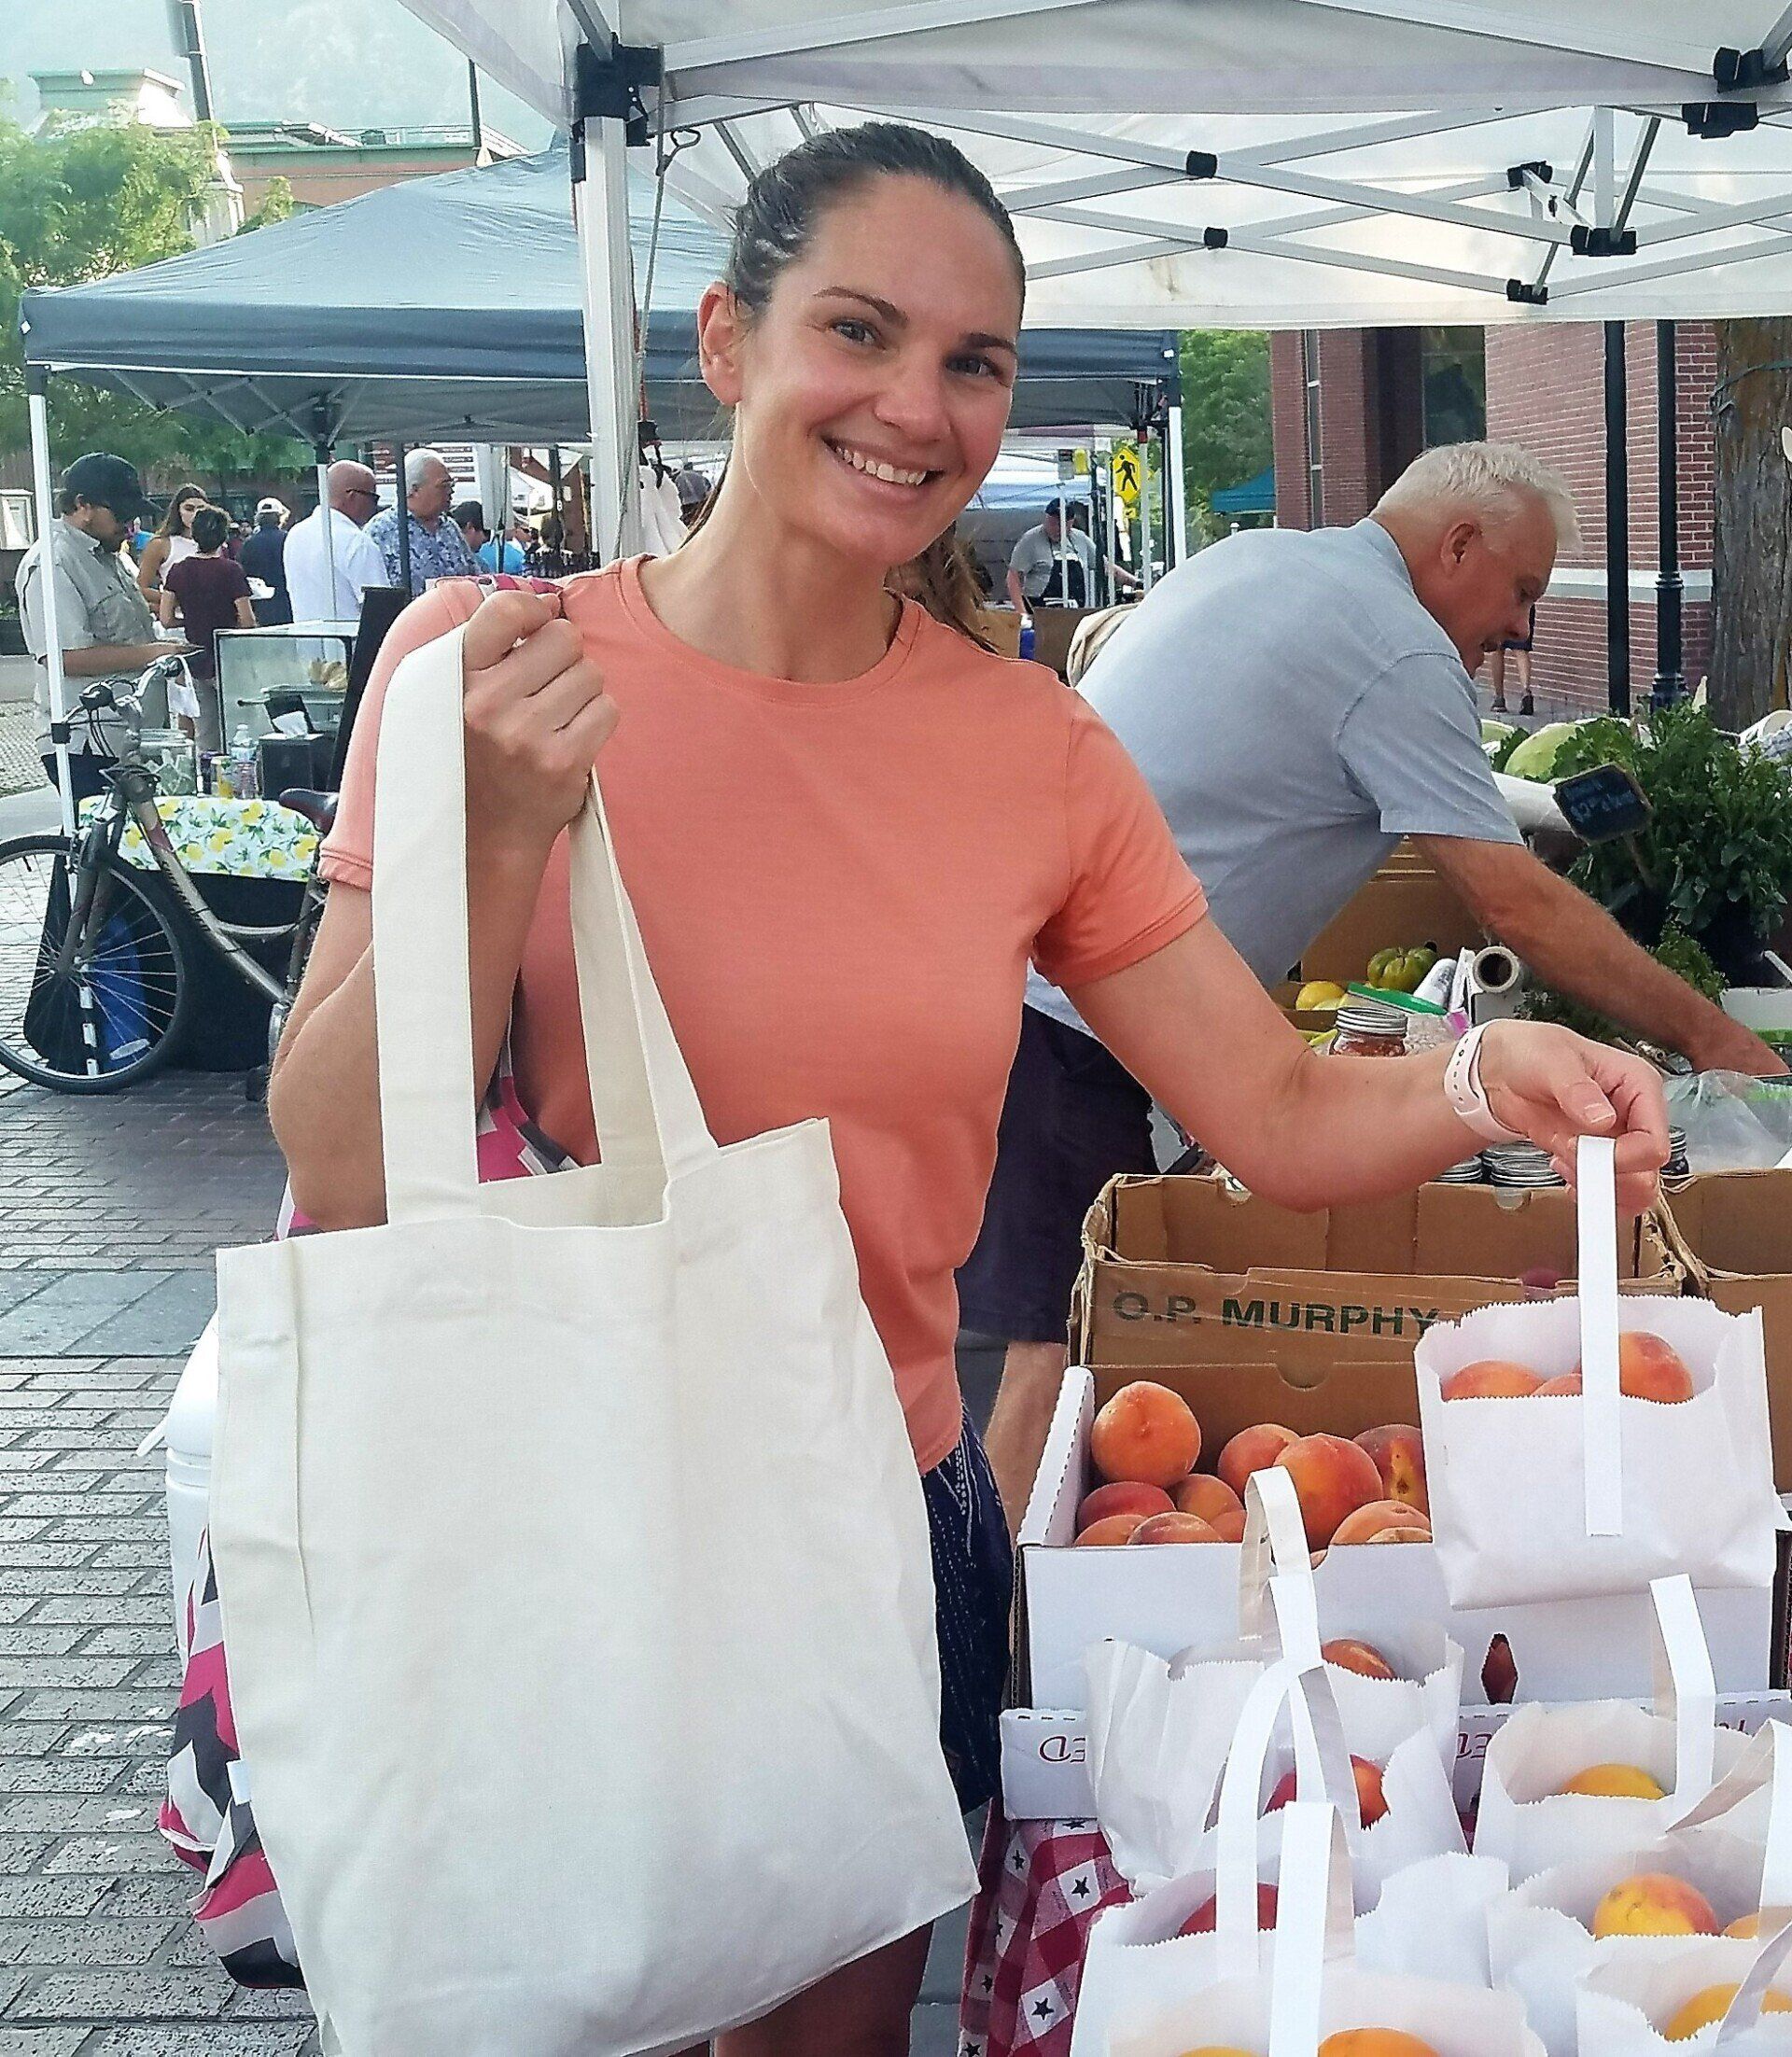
{"x":1520,"y":1164}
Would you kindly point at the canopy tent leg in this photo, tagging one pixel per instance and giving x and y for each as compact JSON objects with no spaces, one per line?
{"x":600,"y":219}
{"x":1178,"y":488}
{"x":324,"y":452}
{"x":1618,"y":525}
{"x":1670,"y":679}
{"x":37,"y":407}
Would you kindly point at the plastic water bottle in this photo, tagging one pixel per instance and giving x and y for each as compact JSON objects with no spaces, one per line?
{"x":244,"y":782}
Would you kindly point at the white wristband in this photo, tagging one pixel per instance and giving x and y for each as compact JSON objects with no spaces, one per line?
{"x":1467,"y":1095}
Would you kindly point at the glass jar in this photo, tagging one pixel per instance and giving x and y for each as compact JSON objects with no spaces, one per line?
{"x":1370,"y":1029}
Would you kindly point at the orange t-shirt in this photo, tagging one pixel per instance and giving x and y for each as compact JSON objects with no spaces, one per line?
{"x":839,"y":887}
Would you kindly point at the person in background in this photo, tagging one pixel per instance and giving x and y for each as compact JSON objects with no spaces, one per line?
{"x":1040,"y":574}
{"x":263,"y":557}
{"x":469,"y":516}
{"x":171,"y":542}
{"x":357,"y":563}
{"x":505,"y":553}
{"x":1520,"y":646}
{"x":694,"y":488}
{"x":1299,"y":701}
{"x":1124,"y":580}
{"x":103,"y":621}
{"x":212,"y":591}
{"x":438,"y":548}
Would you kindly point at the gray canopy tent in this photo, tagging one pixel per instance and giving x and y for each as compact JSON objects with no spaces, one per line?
{"x":453,"y":307}
{"x":450,"y":307}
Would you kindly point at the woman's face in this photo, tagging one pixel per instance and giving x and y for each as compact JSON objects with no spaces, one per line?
{"x":872,"y":390}
{"x":185,"y":510}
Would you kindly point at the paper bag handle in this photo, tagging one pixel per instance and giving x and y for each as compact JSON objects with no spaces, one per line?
{"x":1685,"y":1692}
{"x":1602,"y":1420}
{"x":1765,"y":1763}
{"x":1276,"y":1569}
{"x":1321,"y":1763}
{"x":1315,"y":1918}
{"x":1744,"y":2008}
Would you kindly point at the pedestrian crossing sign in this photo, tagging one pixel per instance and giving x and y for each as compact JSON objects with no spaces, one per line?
{"x":1127,"y":475}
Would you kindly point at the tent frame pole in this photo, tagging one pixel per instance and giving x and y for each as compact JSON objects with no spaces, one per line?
{"x":37,"y":407}
{"x":600,"y":218}
{"x":400,"y":451}
{"x":322,"y":453}
{"x":1618,"y":525}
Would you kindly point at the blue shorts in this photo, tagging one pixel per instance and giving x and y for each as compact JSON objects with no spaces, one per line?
{"x":973,"y":1581}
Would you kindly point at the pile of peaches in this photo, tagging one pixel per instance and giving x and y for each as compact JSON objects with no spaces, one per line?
{"x":1145,"y":1443}
{"x":1648,"y":1368}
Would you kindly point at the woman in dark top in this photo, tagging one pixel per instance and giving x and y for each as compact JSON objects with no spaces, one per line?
{"x":212,"y":591}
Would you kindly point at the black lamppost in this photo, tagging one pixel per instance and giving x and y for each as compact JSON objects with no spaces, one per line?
{"x":1618,"y":525}
{"x":1670,"y":679}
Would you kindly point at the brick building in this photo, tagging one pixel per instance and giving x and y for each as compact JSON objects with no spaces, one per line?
{"x":1352,"y":408}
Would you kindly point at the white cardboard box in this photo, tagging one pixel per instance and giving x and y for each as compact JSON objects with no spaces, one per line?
{"x":1173,"y":1599}
{"x":1044,"y":1754}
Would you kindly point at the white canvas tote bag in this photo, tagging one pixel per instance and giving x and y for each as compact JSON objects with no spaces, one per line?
{"x":573,"y":1561}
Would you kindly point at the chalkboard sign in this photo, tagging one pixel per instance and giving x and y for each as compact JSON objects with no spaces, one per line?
{"x":1603,"y":804}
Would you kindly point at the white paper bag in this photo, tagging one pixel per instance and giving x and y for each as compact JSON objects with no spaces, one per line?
{"x":1569,"y":1495}
{"x":1161,"y":1733}
{"x":1735,"y":1845}
{"x":1526,"y":1819}
{"x":573,"y":1561}
{"x":1623,"y":2007}
{"x":1285,"y":1998}
{"x":1430,"y":1918}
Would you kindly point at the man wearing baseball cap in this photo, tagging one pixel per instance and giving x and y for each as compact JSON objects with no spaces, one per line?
{"x":263,"y":557}
{"x":102,"y":622}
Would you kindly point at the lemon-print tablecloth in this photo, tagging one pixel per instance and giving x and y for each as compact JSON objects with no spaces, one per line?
{"x":231,"y":839}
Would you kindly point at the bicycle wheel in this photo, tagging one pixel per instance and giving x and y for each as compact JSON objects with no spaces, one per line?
{"x":92,"y":1013}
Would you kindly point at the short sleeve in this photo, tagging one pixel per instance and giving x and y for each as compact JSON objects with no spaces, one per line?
{"x":1412,"y":746}
{"x":237,"y":585}
{"x":72,"y":627}
{"x":348,"y":853}
{"x":1128,"y":891}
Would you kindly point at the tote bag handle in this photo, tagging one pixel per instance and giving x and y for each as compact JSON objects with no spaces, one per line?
{"x":644,"y":1107}
{"x":1314,"y":1923}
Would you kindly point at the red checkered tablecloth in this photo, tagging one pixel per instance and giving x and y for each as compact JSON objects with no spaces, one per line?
{"x":1042,"y":1883}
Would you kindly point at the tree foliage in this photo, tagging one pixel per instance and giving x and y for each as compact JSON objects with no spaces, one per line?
{"x":80,"y":202}
{"x":1225,"y":415}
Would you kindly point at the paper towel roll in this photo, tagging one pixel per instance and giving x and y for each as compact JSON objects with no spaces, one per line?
{"x":1495,"y":984}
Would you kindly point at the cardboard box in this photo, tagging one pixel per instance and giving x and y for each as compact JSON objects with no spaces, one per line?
{"x":1172,"y":1600}
{"x":1195,"y":1270}
{"x":1053,"y":630}
{"x":1000,"y":625}
{"x":1406,"y":902}
{"x":1731,"y":1234}
{"x":1045,"y":1771}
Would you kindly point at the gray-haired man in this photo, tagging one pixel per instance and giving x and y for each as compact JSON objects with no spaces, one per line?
{"x":1299,"y":702}
{"x":438,"y":548}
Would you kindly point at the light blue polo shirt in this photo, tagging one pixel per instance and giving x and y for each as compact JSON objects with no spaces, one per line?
{"x":1296,"y":711}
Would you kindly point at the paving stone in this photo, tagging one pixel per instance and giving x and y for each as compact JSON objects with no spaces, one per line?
{"x":63,"y":1814}
{"x":71,"y":1306}
{"x":99,"y":1943}
{"x":45,"y":1640}
{"x":268,"y":2039}
{"x":44,"y":1899}
{"x":21,"y":1853}
{"x":139,"y":1738}
{"x":23,"y":1672}
{"x":146,"y":1995}
{"x":58,"y":1774}
{"x":115,"y":1608}
{"x":42,"y":2042}
{"x":117,"y":1854}
{"x":74,"y":1579}
{"x":94,"y":1706}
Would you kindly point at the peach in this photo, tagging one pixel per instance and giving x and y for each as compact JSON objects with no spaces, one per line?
{"x":1398,"y":1454}
{"x":1370,"y":1798}
{"x":1110,"y":1528}
{"x":1651,"y":1369}
{"x":1491,"y":1378}
{"x":1410,"y":1533}
{"x":1616,"y":1781}
{"x":1203,"y":1494}
{"x":1253,"y":1449}
{"x":1147,"y":1434}
{"x":1568,"y":1382}
{"x":1126,"y":1497}
{"x":1745,"y":1926}
{"x":1366,"y":1523}
{"x":1710,"y":2005}
{"x":1201,"y":1923}
{"x":1499,"y":1674}
{"x":1172,"y":1528}
{"x":1654,"y":1903}
{"x":1332,"y":1480}
{"x":1352,"y":1656}
{"x":1229,"y":1528}
{"x":1375,"y":2042}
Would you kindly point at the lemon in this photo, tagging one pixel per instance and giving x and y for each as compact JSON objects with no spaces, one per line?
{"x":1318,"y":994}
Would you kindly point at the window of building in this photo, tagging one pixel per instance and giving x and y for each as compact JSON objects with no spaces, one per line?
{"x":1315,"y":466}
{"x":1453,"y":380}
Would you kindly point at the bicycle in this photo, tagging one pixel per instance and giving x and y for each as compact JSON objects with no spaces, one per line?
{"x":96,"y":980}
